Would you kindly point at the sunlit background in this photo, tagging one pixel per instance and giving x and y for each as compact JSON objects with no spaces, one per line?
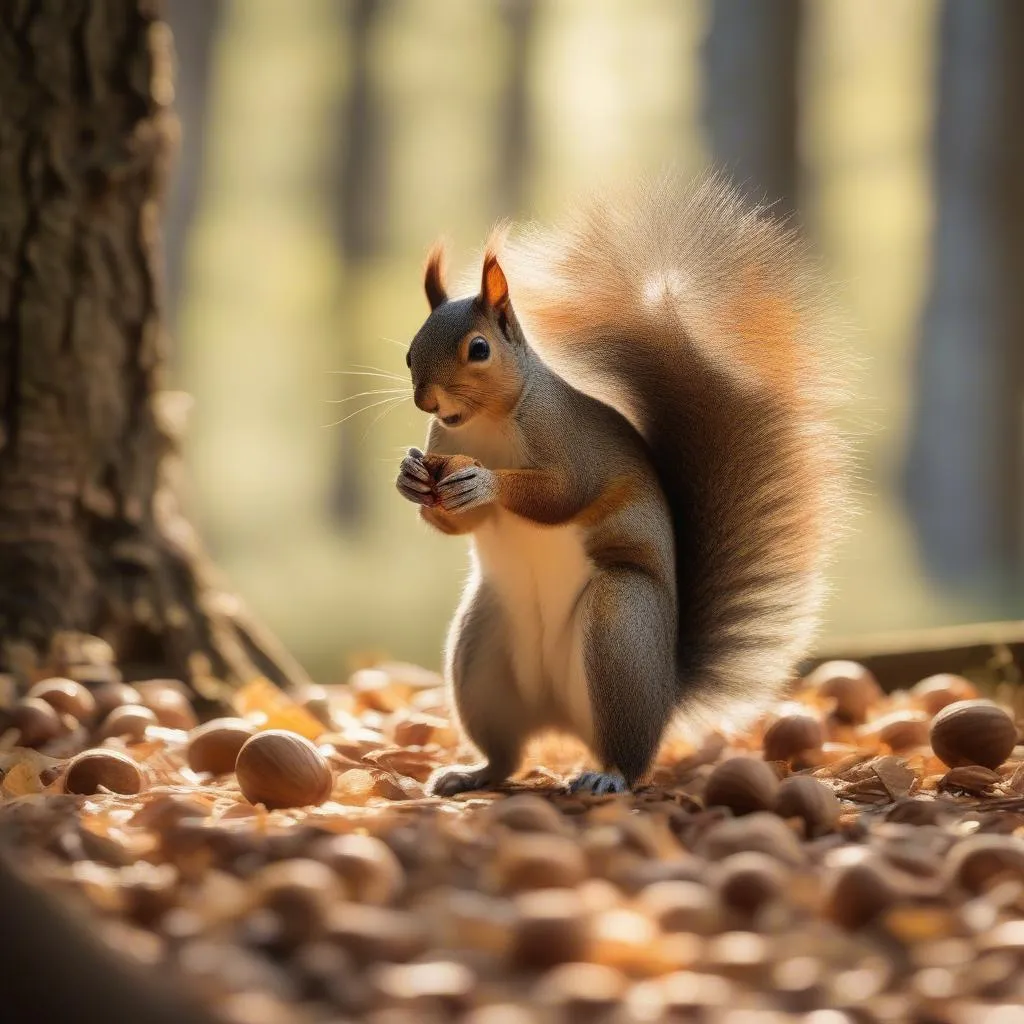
{"x":327,"y":143}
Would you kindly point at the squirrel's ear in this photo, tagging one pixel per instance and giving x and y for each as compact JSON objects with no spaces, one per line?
{"x":433,"y":278}
{"x":494,"y":287}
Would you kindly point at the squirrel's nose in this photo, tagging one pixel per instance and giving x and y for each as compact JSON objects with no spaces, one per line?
{"x":425,"y":398}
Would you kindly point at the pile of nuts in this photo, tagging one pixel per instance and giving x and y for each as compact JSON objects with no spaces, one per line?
{"x":853,"y":857}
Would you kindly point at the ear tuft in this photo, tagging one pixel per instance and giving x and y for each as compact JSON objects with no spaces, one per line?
{"x":435,"y":274}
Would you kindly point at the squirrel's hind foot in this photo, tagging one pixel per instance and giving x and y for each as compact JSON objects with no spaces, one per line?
{"x":452,"y":781}
{"x":598,"y":783}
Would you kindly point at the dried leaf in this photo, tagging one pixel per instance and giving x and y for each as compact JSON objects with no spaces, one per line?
{"x":22,"y":780}
{"x":898,"y":779}
{"x":271,"y":708}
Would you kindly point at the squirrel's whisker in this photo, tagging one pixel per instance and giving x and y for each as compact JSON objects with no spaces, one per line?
{"x":365,"y":408}
{"x":404,"y":392}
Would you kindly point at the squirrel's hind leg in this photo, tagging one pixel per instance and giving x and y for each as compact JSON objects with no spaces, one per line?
{"x":629,"y":643}
{"x":490,"y":708}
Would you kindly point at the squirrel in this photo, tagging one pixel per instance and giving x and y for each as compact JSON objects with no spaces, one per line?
{"x":631,"y":420}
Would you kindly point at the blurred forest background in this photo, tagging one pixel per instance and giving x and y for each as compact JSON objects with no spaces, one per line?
{"x":326,"y":143}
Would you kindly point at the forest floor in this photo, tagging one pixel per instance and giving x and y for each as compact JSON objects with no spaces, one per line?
{"x":854,"y":876}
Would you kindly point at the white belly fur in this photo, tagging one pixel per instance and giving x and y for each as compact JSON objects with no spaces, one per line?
{"x":539,"y":573}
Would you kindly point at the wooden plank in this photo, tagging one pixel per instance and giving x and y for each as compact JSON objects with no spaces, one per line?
{"x":988,"y":652}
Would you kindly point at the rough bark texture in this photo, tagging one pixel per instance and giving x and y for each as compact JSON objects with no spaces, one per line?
{"x":91,"y":536}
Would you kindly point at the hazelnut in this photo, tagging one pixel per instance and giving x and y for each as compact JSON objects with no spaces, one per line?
{"x":282,"y":769}
{"x":369,"y":869}
{"x":853,"y":688}
{"x":112,"y":695}
{"x":791,"y":736}
{"x":92,"y":770}
{"x":297,"y":892}
{"x":550,"y":929}
{"x":682,"y":906}
{"x":538,"y":861}
{"x":973,"y":732}
{"x":172,"y":708}
{"x":901,"y":731}
{"x":37,"y":722}
{"x":128,"y":721}
{"x":526,"y":813}
{"x":936,"y":692}
{"x":622,"y":938}
{"x":801,"y":796}
{"x":214,"y":746}
{"x":67,"y":697}
{"x":442,"y":986}
{"x":982,"y":861}
{"x":858,"y":893}
{"x":743,"y":784}
{"x":748,"y":881}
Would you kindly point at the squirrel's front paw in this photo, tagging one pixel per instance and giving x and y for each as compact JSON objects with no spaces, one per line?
{"x":466,"y":489}
{"x":414,"y":481}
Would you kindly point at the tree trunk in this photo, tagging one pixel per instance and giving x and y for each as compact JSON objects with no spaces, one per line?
{"x":750,"y":96}
{"x":91,"y":536}
{"x":965,"y":468}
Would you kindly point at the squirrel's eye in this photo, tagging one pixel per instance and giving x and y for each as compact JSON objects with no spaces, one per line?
{"x":479,"y":350}
{"x":408,"y":359}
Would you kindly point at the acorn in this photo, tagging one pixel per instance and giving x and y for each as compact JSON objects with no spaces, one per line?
{"x":213,"y":747}
{"x":67,"y":697}
{"x":804,"y":797}
{"x":853,"y":688}
{"x":37,"y":722}
{"x":128,"y":721}
{"x":298,"y":892}
{"x":90,"y":770}
{"x":277,"y":768}
{"x":525,"y":812}
{"x":939,"y":691}
{"x":791,"y":736}
{"x":538,"y":861}
{"x":973,"y":732}
{"x":743,"y":784}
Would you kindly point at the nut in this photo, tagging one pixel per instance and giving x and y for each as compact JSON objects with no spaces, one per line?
{"x":297,"y":892}
{"x":526,"y":813}
{"x":854,"y":689}
{"x":748,"y":881}
{"x":369,"y":934}
{"x":581,"y":991}
{"x":172,"y":708}
{"x":936,"y":692}
{"x":973,"y":732}
{"x":371,"y":872}
{"x":538,"y":861}
{"x":791,"y":736}
{"x":982,"y":861}
{"x":92,"y":770}
{"x":743,"y":784}
{"x":801,"y":796}
{"x":551,"y":928}
{"x":282,"y":769}
{"x":112,"y":695}
{"x":440,"y":987}
{"x":761,"y":831}
{"x":67,"y":697}
{"x":214,"y":746}
{"x":37,"y":722}
{"x":128,"y":721}
{"x":681,"y":906}
{"x":900,"y":731}
{"x":859,"y":892}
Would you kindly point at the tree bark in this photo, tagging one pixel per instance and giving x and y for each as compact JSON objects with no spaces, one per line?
{"x":750,"y":96}
{"x":964,"y":479}
{"x":92,"y":538}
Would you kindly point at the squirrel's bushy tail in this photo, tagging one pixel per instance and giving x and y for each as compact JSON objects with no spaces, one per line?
{"x":703,"y":321}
